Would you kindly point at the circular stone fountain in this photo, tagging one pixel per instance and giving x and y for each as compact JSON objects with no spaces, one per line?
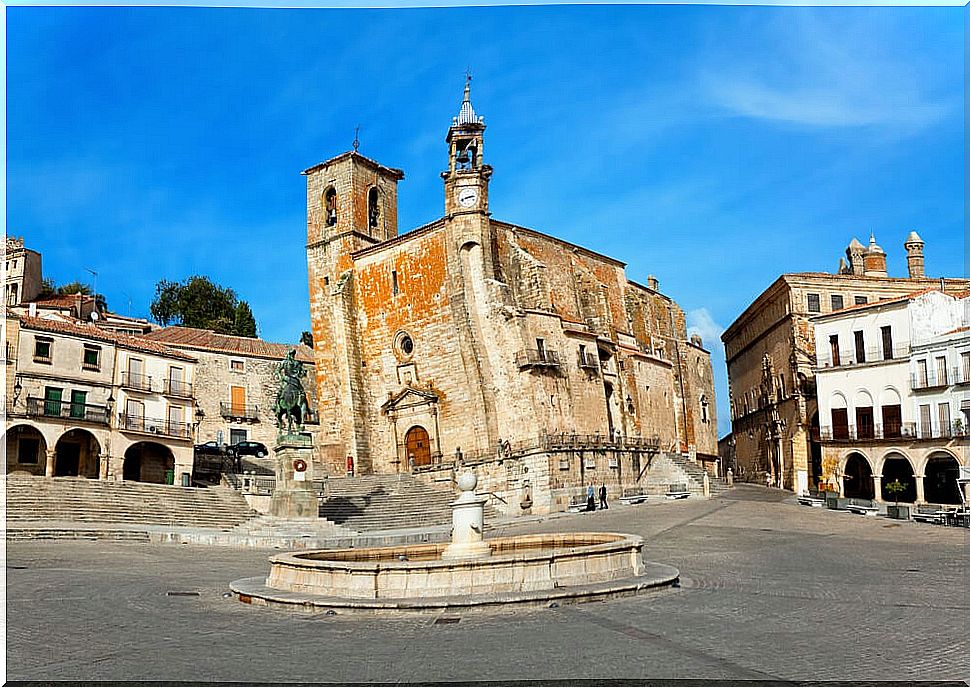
{"x":468,"y":572}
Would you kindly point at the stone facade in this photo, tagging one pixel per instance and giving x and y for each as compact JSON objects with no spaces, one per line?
{"x":770,"y":352}
{"x":472,"y":338}
{"x":894,"y":401}
{"x":76,"y":408}
{"x":22,"y":272}
{"x":235,"y":383}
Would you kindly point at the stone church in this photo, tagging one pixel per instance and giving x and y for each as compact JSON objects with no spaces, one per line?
{"x":471,"y":340}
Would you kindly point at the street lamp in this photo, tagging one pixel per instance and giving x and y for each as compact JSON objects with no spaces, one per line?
{"x":17,"y":390}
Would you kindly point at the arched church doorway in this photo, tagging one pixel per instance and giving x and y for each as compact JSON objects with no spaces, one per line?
{"x":77,"y":454}
{"x":417,"y":446}
{"x":940,"y":483}
{"x":898,"y":467}
{"x":147,"y":461}
{"x":858,"y":477}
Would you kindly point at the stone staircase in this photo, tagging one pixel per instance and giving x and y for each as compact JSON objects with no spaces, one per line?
{"x":674,"y":468}
{"x":74,"y":501}
{"x":384,"y":502}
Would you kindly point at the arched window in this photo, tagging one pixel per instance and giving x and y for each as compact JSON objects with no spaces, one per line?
{"x":373,"y":208}
{"x":330,"y":206}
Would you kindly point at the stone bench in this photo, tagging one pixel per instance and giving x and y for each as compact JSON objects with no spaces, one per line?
{"x":813,"y":501}
{"x":860,"y":509}
{"x":677,"y":491}
{"x":930,"y":518}
{"x":633,"y":496}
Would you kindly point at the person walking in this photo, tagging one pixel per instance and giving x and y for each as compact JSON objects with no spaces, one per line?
{"x":590,"y":499}
{"x":603,"y":503}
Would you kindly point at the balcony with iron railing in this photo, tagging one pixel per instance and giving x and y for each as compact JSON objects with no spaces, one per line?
{"x":176,"y":387}
{"x":893,"y":432}
{"x":937,"y":379}
{"x":136,"y":381}
{"x":589,"y":361}
{"x":961,"y":375}
{"x":239,"y":410}
{"x":65,"y":410}
{"x":870,"y":355}
{"x":154,"y":425}
{"x":537,"y":358}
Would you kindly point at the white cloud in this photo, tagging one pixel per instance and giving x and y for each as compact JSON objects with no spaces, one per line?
{"x":700,"y":322}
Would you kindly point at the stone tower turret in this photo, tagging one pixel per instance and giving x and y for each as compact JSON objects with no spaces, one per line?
{"x":351,"y":205}
{"x":855,"y":253}
{"x":466,"y":181}
{"x":875,"y":259}
{"x":914,"y":256}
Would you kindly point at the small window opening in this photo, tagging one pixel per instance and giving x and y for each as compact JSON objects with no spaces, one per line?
{"x":395,"y":288}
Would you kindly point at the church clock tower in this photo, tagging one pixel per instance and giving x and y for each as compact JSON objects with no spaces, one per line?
{"x":466,"y":181}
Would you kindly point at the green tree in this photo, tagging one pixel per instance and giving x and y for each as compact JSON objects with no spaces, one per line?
{"x":48,"y":288}
{"x":198,"y":302}
{"x":244,"y":323}
{"x":896,"y":488}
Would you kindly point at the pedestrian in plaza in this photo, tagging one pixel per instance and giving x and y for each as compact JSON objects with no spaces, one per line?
{"x":590,"y":499}
{"x":603,"y":503}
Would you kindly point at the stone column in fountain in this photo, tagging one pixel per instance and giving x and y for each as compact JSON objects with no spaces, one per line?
{"x":293,"y":496}
{"x":468,"y":521}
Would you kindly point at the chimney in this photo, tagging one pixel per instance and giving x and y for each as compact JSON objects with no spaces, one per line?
{"x":652,"y":283}
{"x":855,"y":253}
{"x":914,"y":256}
{"x":874,"y":259}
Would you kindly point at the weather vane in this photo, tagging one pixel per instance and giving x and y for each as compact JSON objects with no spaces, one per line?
{"x":356,"y":137}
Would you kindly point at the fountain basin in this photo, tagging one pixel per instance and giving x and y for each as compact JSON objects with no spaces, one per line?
{"x":517,"y":564}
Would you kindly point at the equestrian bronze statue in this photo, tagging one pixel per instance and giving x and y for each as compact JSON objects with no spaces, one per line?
{"x":291,"y":404}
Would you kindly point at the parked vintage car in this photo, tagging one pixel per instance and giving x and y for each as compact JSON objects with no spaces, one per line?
{"x":249,"y":448}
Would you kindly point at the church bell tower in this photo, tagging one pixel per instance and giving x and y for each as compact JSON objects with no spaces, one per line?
{"x":466,"y":181}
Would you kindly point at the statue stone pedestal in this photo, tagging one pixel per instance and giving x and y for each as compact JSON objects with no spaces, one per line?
{"x":294,"y":496}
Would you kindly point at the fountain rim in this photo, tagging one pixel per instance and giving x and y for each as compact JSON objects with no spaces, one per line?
{"x":616,"y":541}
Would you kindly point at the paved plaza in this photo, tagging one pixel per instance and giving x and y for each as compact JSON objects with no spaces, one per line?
{"x":769,"y":590}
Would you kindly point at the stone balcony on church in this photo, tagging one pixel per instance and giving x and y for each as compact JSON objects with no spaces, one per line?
{"x":538,"y":358}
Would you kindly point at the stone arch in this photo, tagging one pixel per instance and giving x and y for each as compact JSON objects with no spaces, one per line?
{"x":940,"y":475}
{"x":862,"y":398}
{"x":889,"y":396}
{"x":148,"y":461}
{"x":857,"y":476}
{"x":417,"y":446}
{"x":26,"y":449}
{"x":865,"y":418}
{"x":897,"y":466}
{"x":77,"y":453}
{"x":330,"y":206}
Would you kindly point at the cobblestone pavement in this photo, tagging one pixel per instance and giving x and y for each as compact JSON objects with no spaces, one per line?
{"x":770,"y":590}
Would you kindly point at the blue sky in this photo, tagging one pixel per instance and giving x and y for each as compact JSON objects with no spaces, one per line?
{"x":714,"y":147}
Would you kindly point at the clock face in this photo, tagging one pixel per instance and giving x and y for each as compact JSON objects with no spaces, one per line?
{"x":467,"y":197}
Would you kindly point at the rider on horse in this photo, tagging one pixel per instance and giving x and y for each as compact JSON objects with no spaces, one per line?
{"x":291,"y":401}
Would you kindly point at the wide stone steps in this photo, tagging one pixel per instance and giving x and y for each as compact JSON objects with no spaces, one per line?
{"x":66,"y":499}
{"x":696,"y":473}
{"x":32,"y":533}
{"x":382,"y":502}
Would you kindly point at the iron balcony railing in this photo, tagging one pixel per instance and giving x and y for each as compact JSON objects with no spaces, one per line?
{"x":537,"y":358}
{"x":154,"y":425}
{"x":176,"y":387}
{"x":240,"y":410}
{"x":80,"y":412}
{"x":851,"y":357}
{"x":588,"y":361}
{"x":132,"y":380}
{"x":902,"y":430}
{"x":561,"y":442}
{"x":961,"y":375}
{"x":937,"y":379}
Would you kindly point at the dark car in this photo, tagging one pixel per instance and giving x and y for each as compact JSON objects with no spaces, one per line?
{"x":249,"y":448}
{"x":210,"y":448}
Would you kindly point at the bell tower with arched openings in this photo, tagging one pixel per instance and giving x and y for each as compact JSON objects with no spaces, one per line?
{"x":351,"y":205}
{"x":466,"y":181}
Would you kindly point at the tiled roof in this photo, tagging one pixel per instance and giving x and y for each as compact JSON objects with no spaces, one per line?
{"x":89,"y":331}
{"x":206,"y":340}
{"x":874,"y":304}
{"x":66,"y":301}
{"x":956,"y":331}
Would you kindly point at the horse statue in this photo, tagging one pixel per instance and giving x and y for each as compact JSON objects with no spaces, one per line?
{"x":291,"y":405}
